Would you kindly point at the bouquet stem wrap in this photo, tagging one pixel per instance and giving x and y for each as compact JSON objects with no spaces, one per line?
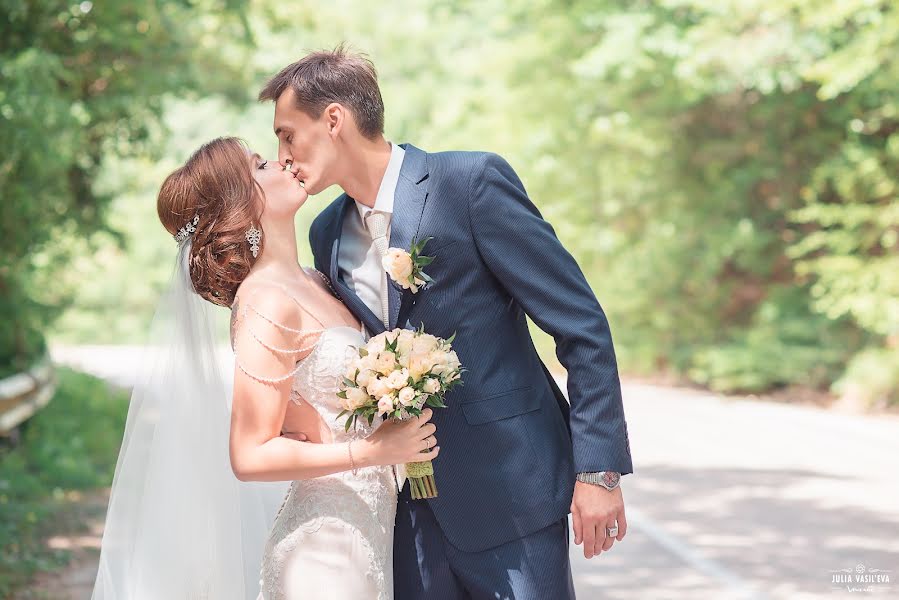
{"x":421,"y":480}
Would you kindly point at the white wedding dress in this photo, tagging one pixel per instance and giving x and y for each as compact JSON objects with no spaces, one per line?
{"x":333,"y":536}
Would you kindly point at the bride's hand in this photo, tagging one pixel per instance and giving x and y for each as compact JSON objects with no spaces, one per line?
{"x":400,"y":442}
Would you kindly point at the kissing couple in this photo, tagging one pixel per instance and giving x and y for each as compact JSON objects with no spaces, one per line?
{"x":281,"y":475}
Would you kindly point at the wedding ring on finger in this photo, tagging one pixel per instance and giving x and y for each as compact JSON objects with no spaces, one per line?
{"x":428,"y":442}
{"x":612,"y":531}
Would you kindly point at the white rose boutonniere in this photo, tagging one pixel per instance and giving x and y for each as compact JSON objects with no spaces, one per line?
{"x":407,"y":268}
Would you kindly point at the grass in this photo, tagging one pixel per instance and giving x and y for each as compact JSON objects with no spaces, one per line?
{"x":70,"y":446}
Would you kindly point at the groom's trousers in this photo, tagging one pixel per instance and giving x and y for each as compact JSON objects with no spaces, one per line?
{"x":428,"y":567}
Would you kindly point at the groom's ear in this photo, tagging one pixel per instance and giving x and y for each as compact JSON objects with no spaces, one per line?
{"x":335,"y":116}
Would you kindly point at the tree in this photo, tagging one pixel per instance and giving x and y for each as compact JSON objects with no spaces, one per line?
{"x":79,"y":83}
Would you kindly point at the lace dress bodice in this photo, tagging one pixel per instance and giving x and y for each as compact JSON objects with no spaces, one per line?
{"x":359,"y":508}
{"x":318,"y":376}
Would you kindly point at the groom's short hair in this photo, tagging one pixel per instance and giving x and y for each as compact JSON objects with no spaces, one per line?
{"x":327,"y":76}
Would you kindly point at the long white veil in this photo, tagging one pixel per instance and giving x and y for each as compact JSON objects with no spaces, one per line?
{"x":179,"y":524}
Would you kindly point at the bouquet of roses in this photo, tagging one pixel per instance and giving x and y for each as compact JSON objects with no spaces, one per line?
{"x":396,"y":375}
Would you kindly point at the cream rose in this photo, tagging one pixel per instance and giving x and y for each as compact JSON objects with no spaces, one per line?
{"x":424,"y":344}
{"x":432,"y":386}
{"x":355,"y":398}
{"x":397,"y":380}
{"x":439,"y":359}
{"x":404,"y":345}
{"x":418,"y":366}
{"x":385,"y":404}
{"x":385,"y":363}
{"x":398,"y":263}
{"x":407,"y":396}
{"x":364,"y":378}
{"x":378,"y":387}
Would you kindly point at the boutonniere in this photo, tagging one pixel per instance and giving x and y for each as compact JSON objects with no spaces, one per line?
{"x":407,"y":268}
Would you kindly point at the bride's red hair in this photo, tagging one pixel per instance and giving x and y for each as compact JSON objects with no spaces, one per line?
{"x":217,"y":184}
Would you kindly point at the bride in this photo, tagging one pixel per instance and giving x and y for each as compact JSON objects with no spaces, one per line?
{"x":188,"y":516}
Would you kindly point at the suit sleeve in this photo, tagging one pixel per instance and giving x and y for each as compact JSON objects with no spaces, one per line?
{"x":521,"y":249}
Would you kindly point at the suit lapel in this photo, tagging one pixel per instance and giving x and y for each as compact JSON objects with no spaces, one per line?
{"x":408,"y":206}
{"x":347,"y":294}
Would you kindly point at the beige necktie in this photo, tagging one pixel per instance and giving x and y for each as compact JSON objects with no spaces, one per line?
{"x":377,"y":227}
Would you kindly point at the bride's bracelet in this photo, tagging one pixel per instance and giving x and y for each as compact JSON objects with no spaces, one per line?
{"x":349,"y":447}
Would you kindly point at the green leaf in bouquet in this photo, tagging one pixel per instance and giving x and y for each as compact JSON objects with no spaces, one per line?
{"x":349,"y":422}
{"x":391,"y":346}
{"x":349,"y":382}
{"x":342,"y":394}
{"x":371,"y":418}
{"x":363,"y":352}
{"x":425,"y":260}
{"x":341,"y":413}
{"x":450,"y":339}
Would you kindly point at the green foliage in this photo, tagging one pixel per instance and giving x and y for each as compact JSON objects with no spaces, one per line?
{"x":81,"y":83}
{"x":725,"y":172}
{"x":70,"y":445}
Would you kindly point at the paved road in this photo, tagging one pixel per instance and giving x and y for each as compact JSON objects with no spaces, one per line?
{"x":733,"y":498}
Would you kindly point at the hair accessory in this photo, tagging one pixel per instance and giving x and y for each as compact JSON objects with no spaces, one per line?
{"x":185,"y":232}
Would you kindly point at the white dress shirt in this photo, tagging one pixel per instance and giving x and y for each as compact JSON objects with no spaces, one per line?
{"x":358,"y":260}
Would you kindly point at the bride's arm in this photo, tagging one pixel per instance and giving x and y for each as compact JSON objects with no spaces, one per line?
{"x":270,"y":324}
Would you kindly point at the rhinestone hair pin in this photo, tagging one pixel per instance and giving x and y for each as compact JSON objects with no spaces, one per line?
{"x":185,"y":232}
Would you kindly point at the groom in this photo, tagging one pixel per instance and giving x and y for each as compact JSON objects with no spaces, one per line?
{"x":515,"y":458}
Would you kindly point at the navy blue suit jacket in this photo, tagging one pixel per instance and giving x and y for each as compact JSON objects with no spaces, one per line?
{"x":510,"y":444}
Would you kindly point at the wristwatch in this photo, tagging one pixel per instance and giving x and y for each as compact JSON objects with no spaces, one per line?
{"x":606,"y":479}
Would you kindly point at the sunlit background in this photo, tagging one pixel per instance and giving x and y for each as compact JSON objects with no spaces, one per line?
{"x":725,"y":172}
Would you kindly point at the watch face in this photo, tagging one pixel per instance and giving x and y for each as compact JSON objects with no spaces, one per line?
{"x":610,"y":478}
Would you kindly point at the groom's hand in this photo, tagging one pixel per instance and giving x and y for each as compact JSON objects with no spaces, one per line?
{"x":594,"y":508}
{"x":298,"y":436}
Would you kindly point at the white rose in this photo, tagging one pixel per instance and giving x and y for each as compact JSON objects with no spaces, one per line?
{"x":397,"y":380}
{"x":385,"y":363}
{"x":364,"y":378}
{"x":378,"y":387}
{"x":418,"y":366}
{"x":453,"y":363}
{"x":368,"y":363}
{"x":376,"y":344}
{"x":385,"y":404}
{"x":407,"y":396}
{"x":398,"y":263}
{"x":404,"y":345}
{"x":355,"y":398}
{"x":432,"y":386}
{"x":438,"y":360}
{"x":424,"y":344}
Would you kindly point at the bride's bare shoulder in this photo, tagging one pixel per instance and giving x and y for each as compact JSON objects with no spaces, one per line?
{"x":268,"y":299}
